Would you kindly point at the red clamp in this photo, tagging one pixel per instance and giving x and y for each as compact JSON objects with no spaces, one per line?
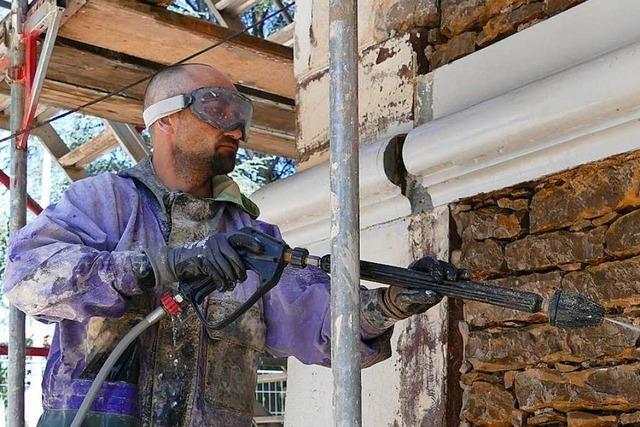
{"x":170,"y":305}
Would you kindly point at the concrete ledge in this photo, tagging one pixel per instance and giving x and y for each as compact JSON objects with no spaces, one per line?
{"x":300,"y":205}
{"x":582,"y":114}
{"x":575,"y":36}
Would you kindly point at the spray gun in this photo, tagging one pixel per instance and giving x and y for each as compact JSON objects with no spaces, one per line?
{"x":268,"y":257}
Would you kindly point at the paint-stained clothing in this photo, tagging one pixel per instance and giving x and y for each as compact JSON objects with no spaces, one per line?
{"x":75,"y":265}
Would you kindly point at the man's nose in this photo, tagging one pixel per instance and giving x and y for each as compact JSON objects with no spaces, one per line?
{"x":235,"y":134}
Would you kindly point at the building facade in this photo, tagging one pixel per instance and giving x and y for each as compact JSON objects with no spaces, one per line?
{"x":503,"y":135}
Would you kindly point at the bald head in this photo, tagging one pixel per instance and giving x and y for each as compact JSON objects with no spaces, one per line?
{"x":183,"y":78}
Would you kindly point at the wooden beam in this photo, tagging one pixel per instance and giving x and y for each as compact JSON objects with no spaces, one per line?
{"x":161,"y":3}
{"x":266,"y":141}
{"x":89,"y":151}
{"x":79,"y":73}
{"x":52,"y":142}
{"x":129,"y":139}
{"x":156,"y":34}
{"x":236,"y":7}
{"x":85,"y":66}
{"x":5,"y":101}
{"x":284,"y":36}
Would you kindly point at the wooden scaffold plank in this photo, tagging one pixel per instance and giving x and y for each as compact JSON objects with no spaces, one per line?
{"x":129,"y":139}
{"x":89,"y":151}
{"x":156,"y":34}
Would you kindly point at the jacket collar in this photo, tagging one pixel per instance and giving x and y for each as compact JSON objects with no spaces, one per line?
{"x":224,"y":188}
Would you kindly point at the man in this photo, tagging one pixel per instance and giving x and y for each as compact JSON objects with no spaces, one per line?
{"x":96,"y":263}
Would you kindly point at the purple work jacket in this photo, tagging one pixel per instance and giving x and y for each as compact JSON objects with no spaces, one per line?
{"x":72,"y":266}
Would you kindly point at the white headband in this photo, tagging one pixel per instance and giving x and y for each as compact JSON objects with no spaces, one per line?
{"x":162,"y":109}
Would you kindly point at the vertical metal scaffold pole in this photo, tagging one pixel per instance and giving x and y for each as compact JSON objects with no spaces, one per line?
{"x":18,"y":217}
{"x":345,"y":223}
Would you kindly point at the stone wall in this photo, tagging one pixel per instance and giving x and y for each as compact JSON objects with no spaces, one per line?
{"x":578,"y":230}
{"x":398,"y":40}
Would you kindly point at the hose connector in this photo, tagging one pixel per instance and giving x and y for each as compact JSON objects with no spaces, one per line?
{"x":171,"y":303}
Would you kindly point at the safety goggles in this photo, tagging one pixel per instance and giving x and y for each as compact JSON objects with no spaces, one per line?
{"x":222,"y":108}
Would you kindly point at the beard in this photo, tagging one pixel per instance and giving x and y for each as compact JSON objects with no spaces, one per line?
{"x":224,"y":161}
{"x":193,"y":166}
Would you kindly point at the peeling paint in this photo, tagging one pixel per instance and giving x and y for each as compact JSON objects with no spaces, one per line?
{"x":385,"y":102}
{"x":313,"y":32}
{"x":384,"y":54}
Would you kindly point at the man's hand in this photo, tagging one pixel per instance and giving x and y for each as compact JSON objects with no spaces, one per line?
{"x":211,"y":258}
{"x":401,"y":303}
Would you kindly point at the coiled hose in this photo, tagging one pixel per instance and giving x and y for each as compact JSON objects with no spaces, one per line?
{"x":152,"y":318}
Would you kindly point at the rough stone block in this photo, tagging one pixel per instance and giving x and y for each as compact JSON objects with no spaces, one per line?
{"x":581,"y":225}
{"x":553,"y":249}
{"x":553,"y":7}
{"x":550,"y":418}
{"x":627,"y":419}
{"x":487,"y":405}
{"x":386,"y":76}
{"x":482,"y":315}
{"x":397,"y":16}
{"x":585,"y":419}
{"x":510,"y":349}
{"x":513,"y":204}
{"x":623,"y":238}
{"x":605,"y":219}
{"x":457,"y":47}
{"x":490,"y":223}
{"x":614,"y":284}
{"x":589,"y":192}
{"x":459,"y":16}
{"x":615,"y":388}
{"x":482,"y":259}
{"x":507,"y":23}
{"x":472,"y":377}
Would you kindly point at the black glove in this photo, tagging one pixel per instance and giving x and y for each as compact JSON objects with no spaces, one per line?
{"x":212,"y":258}
{"x":401,"y":303}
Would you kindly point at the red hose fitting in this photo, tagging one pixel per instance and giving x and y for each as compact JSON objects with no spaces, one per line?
{"x":170,"y":305}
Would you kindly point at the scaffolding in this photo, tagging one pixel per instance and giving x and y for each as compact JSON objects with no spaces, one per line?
{"x":82,"y":64}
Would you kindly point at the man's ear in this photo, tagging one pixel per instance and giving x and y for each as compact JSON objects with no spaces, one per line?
{"x":165,"y":125}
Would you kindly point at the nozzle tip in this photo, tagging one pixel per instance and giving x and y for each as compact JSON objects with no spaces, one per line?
{"x":568,"y":309}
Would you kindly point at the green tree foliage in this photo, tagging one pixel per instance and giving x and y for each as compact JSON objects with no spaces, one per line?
{"x":251,"y":16}
{"x":253,"y":170}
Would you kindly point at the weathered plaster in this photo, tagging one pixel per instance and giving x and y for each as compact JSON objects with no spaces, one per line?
{"x":386,"y":81}
{"x":312,"y":35}
{"x":309,"y":387}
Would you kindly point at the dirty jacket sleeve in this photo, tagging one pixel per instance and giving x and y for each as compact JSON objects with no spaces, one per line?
{"x":63,"y":265}
{"x":298,"y":318}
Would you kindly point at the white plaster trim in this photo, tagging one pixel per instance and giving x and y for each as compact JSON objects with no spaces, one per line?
{"x":541,"y":128}
{"x":581,"y":33}
{"x":300,"y":204}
